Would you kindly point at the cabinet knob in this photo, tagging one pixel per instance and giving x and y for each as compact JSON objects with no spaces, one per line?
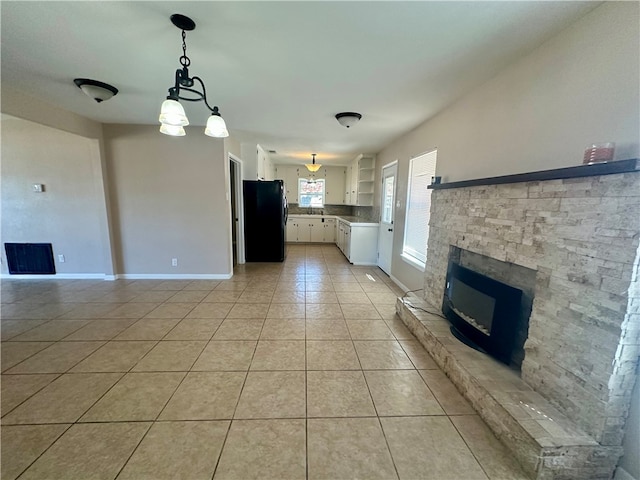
{"x":391,"y":229}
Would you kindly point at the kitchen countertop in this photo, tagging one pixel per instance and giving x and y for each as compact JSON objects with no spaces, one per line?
{"x":351,"y":220}
{"x":356,"y":220}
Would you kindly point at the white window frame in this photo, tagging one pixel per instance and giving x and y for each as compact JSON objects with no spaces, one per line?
{"x":306,"y":180}
{"x":418,"y":209}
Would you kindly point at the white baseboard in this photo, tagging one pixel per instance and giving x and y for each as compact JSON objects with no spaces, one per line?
{"x":399,"y":283}
{"x":622,"y":474}
{"x":124,"y":276}
{"x":175,"y":276}
{"x":59,"y":276}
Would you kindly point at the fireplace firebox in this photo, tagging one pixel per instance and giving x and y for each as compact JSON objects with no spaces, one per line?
{"x":483,"y":312}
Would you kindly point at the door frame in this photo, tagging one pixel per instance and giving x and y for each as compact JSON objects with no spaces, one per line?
{"x":393,"y":213}
{"x":239,"y":213}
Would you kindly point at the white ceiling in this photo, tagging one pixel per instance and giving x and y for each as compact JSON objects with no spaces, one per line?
{"x":279,"y":71}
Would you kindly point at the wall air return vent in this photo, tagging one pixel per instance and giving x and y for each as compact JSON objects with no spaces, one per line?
{"x":30,"y":258}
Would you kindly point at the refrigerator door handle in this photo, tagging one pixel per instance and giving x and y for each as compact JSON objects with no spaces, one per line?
{"x":286,"y":210}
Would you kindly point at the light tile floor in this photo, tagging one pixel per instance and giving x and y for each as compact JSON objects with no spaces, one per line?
{"x":291,"y":370}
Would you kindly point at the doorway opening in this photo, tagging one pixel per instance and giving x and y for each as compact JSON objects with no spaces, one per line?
{"x":237,"y":218}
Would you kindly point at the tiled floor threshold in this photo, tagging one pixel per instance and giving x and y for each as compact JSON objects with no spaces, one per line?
{"x":294,"y":370}
{"x":545,"y":442}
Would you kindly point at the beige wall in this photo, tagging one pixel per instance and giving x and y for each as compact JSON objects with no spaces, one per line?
{"x":540,"y":113}
{"x":70,"y":213}
{"x":232,"y":146}
{"x":169,"y":198}
{"x":154,"y":197}
{"x":630,"y":460}
{"x":26,"y":107}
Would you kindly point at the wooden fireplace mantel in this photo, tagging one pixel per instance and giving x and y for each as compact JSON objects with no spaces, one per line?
{"x":607,"y":168}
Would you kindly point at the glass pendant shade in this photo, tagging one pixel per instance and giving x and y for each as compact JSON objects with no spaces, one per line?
{"x":348,"y":119}
{"x":313,"y":166}
{"x":172,"y":113}
{"x":216,"y":127}
{"x":173,"y":130}
{"x":95,"y":89}
{"x":99,"y":94}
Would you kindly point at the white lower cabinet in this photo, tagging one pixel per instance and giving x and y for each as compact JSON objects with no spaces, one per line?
{"x":342,"y":233}
{"x":304,"y":232}
{"x":329,"y":227}
{"x":292,"y":230}
{"x":310,"y":230}
{"x":359,"y":243}
{"x":316,"y":230}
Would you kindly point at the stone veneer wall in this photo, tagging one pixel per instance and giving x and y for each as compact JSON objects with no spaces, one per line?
{"x":581,"y":235}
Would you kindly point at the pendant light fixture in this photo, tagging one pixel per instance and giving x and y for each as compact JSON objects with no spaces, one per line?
{"x":313,"y":166}
{"x":172,"y":116}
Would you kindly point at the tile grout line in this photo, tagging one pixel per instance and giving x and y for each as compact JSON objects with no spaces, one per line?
{"x":468,"y":447}
{"x":326,"y":268}
{"x":186,"y":373}
{"x":235,"y":408}
{"x":306,"y":385}
{"x":45,"y":450}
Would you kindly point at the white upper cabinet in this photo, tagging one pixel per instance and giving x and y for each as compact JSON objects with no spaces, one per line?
{"x":256,"y":162}
{"x":289,"y":174}
{"x":266,"y":169}
{"x":334,"y":189}
{"x":348,"y":185}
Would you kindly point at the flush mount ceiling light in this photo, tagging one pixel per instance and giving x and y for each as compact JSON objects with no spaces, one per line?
{"x":172,"y":116}
{"x":99,"y":91}
{"x":313,"y":166}
{"x":348,"y":119}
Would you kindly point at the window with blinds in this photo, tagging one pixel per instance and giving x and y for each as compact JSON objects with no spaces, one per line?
{"x":416,"y":227}
{"x":311,"y":193}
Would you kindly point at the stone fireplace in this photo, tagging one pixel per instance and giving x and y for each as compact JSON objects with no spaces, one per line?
{"x":578,"y":229}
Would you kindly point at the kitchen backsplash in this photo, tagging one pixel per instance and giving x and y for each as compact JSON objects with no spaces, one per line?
{"x":366,"y":213}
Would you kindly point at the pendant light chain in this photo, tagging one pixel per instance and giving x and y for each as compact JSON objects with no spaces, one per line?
{"x":184,"y":60}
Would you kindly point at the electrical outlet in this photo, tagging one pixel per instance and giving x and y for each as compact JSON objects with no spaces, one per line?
{"x":174,"y":262}
{"x":61,"y":258}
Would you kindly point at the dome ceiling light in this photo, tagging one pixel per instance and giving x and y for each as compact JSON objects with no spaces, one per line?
{"x":348,"y":119}
{"x":99,"y":91}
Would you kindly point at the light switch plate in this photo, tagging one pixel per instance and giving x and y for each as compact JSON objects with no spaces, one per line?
{"x":38,"y":187}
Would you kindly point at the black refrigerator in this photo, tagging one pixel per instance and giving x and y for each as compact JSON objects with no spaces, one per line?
{"x":265,"y":219}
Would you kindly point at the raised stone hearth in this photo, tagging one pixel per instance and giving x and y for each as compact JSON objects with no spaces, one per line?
{"x":581,"y":236}
{"x":546,"y":443}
